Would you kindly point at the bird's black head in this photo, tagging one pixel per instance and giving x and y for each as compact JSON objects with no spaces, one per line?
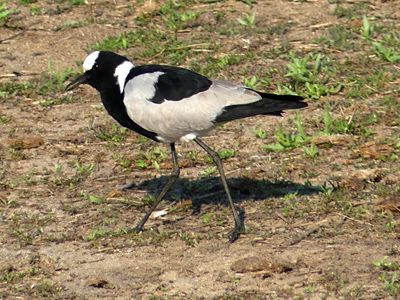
{"x":103,"y":69}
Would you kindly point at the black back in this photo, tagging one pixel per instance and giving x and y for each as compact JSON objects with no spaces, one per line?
{"x":174,"y":84}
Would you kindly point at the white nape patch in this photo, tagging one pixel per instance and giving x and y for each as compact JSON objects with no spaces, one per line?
{"x":121,"y":72}
{"x":90,"y":60}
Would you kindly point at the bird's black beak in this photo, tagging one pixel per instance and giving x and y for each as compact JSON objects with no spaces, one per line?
{"x":77,"y":81}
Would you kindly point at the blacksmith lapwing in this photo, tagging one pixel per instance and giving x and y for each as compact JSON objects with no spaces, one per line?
{"x":166,"y":104}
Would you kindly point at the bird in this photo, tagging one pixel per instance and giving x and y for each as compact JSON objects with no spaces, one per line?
{"x":168,"y":103}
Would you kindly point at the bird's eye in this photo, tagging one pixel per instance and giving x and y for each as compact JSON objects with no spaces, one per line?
{"x":96,"y":67}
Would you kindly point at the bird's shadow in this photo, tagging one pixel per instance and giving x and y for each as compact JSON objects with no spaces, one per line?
{"x":210,"y":190}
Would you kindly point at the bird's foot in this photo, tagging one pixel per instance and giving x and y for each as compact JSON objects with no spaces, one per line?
{"x":234,"y":233}
{"x":136,"y":229}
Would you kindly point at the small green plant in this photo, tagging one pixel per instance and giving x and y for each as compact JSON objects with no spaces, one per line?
{"x":148,"y":199}
{"x":82,"y":169}
{"x":206,"y":218}
{"x":340,"y":126}
{"x":258,"y":133}
{"x":11,"y":89}
{"x":112,"y":43}
{"x":299,"y":127}
{"x":123,"y":161}
{"x":93,"y":234}
{"x":209,"y":171}
{"x":299,"y":67}
{"x":190,"y":241}
{"x":141,"y":164}
{"x":248,"y":20}
{"x":24,"y":238}
{"x":115,"y":133}
{"x":392,"y":286}
{"x":288,"y":141}
{"x":57,"y":168}
{"x":4,"y":119}
{"x":248,"y":2}
{"x":173,"y":18}
{"x":344,"y":126}
{"x":353,"y":12}
{"x":385,"y":53}
{"x":26,"y":2}
{"x":228,"y":60}
{"x":225,"y":154}
{"x":327,"y":120}
{"x":5,"y":13}
{"x":189,"y":15}
{"x":70,"y":24}
{"x":312,"y":151}
{"x":156,"y":166}
{"x":385,"y":265}
{"x":157,"y":155}
{"x":252,"y":82}
{"x":52,"y":83}
{"x":77,"y":2}
{"x":311,"y":75}
{"x":35,"y":10}
{"x":95,"y":200}
{"x":310,"y":287}
{"x":367,"y":29}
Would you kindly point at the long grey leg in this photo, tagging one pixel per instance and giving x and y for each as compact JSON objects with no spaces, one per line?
{"x":239,"y":225}
{"x":172,"y":179}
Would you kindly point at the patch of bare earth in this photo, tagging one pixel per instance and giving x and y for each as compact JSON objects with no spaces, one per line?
{"x":62,"y":230}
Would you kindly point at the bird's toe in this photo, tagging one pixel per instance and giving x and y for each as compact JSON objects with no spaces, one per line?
{"x":234,"y":233}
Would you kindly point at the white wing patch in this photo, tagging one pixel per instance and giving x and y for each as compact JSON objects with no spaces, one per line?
{"x":121,"y":72}
{"x":90,"y":60}
{"x":141,"y":87}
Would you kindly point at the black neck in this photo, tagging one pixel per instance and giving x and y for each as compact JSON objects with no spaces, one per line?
{"x":113,"y":102}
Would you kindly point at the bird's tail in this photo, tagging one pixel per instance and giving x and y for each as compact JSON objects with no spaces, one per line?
{"x":270,"y":104}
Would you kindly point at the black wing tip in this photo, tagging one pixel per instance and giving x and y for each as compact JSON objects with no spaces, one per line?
{"x":270,"y":104}
{"x":293,"y":98}
{"x":292,"y":101}
{"x":301,"y":104}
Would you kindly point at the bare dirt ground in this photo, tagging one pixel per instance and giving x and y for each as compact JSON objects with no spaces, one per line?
{"x":62,"y":230}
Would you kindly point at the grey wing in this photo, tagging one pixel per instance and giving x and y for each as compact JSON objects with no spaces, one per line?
{"x":188,"y":118}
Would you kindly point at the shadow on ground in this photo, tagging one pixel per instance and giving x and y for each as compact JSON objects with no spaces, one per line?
{"x":210,"y":190}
